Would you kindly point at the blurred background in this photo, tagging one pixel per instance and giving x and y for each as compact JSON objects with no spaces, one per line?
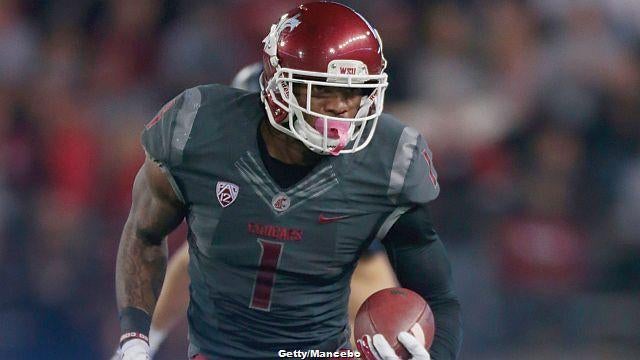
{"x":532,"y":109}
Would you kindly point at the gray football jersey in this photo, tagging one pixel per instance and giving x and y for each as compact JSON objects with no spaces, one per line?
{"x":270,"y":267}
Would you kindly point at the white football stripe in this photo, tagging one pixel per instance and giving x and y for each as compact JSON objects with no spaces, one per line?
{"x":416,"y":331}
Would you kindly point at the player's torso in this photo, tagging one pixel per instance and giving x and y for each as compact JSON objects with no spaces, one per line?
{"x":261,"y":253}
{"x":311,"y":232}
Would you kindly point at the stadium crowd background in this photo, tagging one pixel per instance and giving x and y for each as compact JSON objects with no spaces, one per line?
{"x":532,"y":109}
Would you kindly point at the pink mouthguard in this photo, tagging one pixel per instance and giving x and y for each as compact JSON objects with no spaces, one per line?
{"x":335,"y":130}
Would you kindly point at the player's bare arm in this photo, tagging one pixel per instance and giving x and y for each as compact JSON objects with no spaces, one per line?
{"x":142,"y":254}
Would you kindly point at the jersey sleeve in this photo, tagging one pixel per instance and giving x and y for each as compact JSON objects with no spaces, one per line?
{"x":413,"y":180}
{"x":164,"y":137}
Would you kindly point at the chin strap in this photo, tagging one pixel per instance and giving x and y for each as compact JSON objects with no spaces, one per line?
{"x":367,"y":105}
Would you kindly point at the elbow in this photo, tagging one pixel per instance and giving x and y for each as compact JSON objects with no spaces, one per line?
{"x":448,"y":302}
{"x":148,"y":238}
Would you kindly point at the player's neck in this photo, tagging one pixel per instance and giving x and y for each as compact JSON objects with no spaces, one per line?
{"x":285,"y":148}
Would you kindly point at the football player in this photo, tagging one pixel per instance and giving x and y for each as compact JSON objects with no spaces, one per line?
{"x":372,"y":273}
{"x":282,"y":192}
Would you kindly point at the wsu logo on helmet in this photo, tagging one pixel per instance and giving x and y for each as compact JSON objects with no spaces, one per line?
{"x":271,"y":41}
{"x":227,"y":193}
{"x":290,"y":23}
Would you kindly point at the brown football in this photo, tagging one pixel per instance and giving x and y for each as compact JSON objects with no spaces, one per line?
{"x":391,"y":311}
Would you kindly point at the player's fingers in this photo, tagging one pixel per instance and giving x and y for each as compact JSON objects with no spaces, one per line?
{"x":364,"y":346}
{"x":417,"y":350}
{"x":383,"y":348}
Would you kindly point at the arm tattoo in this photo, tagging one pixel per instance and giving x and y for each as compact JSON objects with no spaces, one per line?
{"x":142,"y":254}
{"x":139,"y":272}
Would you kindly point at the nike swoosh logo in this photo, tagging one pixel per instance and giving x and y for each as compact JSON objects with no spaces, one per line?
{"x":322,"y":219}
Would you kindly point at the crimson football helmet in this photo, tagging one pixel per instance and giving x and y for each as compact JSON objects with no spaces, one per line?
{"x":323,"y":44}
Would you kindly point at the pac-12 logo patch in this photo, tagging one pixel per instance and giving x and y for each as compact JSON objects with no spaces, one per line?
{"x":280,"y":202}
{"x":227,"y":193}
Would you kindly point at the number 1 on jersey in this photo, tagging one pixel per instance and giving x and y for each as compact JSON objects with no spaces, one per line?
{"x":266,"y":277}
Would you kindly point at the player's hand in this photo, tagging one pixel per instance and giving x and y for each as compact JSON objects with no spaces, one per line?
{"x":377,"y":348}
{"x":135,"y":349}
